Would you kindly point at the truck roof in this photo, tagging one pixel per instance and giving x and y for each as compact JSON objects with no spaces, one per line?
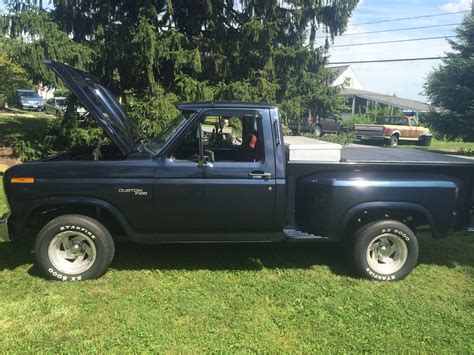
{"x":191,"y":106}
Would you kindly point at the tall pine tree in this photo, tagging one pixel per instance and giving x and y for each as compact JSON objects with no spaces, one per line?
{"x":155,"y":52}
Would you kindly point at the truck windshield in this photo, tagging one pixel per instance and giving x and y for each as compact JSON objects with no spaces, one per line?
{"x":158,"y":143}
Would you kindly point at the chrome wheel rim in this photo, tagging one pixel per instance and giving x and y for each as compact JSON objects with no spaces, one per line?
{"x":72,"y":252}
{"x":387,"y":253}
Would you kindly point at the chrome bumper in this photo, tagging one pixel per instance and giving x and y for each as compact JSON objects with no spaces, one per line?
{"x":4,"y":235}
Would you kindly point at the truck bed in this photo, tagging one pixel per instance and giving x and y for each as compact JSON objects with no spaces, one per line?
{"x":372,"y":154}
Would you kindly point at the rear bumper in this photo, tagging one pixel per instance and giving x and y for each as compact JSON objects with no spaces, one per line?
{"x":32,"y":107}
{"x":4,"y":234}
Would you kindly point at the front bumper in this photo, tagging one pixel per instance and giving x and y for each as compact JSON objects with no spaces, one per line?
{"x":4,"y":234}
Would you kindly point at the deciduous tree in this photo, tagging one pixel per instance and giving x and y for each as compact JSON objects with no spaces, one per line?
{"x":450,"y":87}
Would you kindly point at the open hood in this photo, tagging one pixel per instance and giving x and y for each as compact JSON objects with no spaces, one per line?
{"x":101,"y":104}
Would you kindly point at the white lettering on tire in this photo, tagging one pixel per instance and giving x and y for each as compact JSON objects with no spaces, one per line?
{"x":81,"y":229}
{"x":380,"y":277}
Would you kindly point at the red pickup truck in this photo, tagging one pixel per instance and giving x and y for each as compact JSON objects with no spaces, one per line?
{"x":392,"y":130}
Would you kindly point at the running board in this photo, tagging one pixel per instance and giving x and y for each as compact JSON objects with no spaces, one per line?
{"x":294,"y":235}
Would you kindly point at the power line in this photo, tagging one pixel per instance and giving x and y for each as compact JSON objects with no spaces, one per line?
{"x":395,"y":41}
{"x":408,"y":18}
{"x":395,"y":30}
{"x":387,"y":60}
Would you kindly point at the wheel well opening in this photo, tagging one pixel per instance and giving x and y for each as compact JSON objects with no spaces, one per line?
{"x":42,"y":215}
{"x":413,"y":219}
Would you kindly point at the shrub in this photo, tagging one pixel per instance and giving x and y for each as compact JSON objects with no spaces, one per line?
{"x":348,"y":125}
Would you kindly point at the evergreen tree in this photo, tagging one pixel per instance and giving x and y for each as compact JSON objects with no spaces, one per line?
{"x":450,"y":87}
{"x":155,"y":52}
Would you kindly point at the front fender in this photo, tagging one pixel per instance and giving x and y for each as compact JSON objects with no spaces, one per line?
{"x":73,"y":201}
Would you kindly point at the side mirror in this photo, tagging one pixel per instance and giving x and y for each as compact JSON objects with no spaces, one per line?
{"x":207,"y":158}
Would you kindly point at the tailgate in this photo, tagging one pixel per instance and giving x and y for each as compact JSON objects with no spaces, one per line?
{"x":368,"y":130}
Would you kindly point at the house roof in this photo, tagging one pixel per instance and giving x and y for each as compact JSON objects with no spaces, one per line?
{"x":339,"y":69}
{"x":395,"y":101}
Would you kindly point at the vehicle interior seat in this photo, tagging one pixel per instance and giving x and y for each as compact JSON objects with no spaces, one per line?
{"x":250,"y":149}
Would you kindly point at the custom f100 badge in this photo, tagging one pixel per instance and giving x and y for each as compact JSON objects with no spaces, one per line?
{"x":136,"y":192}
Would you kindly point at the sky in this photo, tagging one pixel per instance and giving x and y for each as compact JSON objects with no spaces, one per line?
{"x":404,"y":79}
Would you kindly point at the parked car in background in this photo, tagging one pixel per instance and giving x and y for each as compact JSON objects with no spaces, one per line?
{"x":392,"y":130}
{"x":29,"y":100}
{"x":57,"y":106}
{"x":317,"y":126}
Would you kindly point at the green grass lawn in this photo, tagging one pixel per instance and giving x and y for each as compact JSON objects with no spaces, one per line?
{"x":268,"y":298}
{"x":3,"y":200}
{"x":22,"y":126}
{"x":446,"y":147}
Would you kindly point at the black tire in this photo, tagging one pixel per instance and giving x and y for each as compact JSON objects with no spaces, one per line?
{"x":58,"y":114}
{"x":424,"y":141}
{"x":369,"y":262}
{"x":393,"y":141}
{"x":95,"y":251}
{"x":317,"y":131}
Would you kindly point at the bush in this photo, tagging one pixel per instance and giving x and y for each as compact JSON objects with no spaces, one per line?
{"x":348,"y":125}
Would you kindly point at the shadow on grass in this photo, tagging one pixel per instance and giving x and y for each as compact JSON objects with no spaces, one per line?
{"x":456,"y":250}
{"x":232,"y":257}
{"x":24,"y":128}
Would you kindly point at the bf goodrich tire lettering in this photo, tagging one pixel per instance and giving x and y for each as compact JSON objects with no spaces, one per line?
{"x":73,"y":248}
{"x":385,"y":250}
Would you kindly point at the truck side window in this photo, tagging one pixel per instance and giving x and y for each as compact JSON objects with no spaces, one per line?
{"x":229,"y":138}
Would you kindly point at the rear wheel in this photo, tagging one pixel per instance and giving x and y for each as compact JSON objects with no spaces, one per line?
{"x":74,"y":247}
{"x":393,"y":141}
{"x":385,"y":250}
{"x":317,"y":131}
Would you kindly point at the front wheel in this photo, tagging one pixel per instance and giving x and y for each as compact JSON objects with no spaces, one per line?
{"x":73,"y":248}
{"x":385,"y":250}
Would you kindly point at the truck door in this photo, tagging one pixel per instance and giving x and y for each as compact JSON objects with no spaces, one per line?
{"x":220,"y":177}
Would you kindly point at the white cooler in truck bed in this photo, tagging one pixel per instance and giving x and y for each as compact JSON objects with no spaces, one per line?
{"x":308,"y":149}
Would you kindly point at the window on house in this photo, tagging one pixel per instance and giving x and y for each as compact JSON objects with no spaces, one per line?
{"x":223,"y":139}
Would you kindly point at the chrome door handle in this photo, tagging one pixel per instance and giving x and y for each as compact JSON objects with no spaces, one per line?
{"x":260,"y":175}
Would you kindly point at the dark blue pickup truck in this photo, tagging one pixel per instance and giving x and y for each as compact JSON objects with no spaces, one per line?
{"x":220,"y":173}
